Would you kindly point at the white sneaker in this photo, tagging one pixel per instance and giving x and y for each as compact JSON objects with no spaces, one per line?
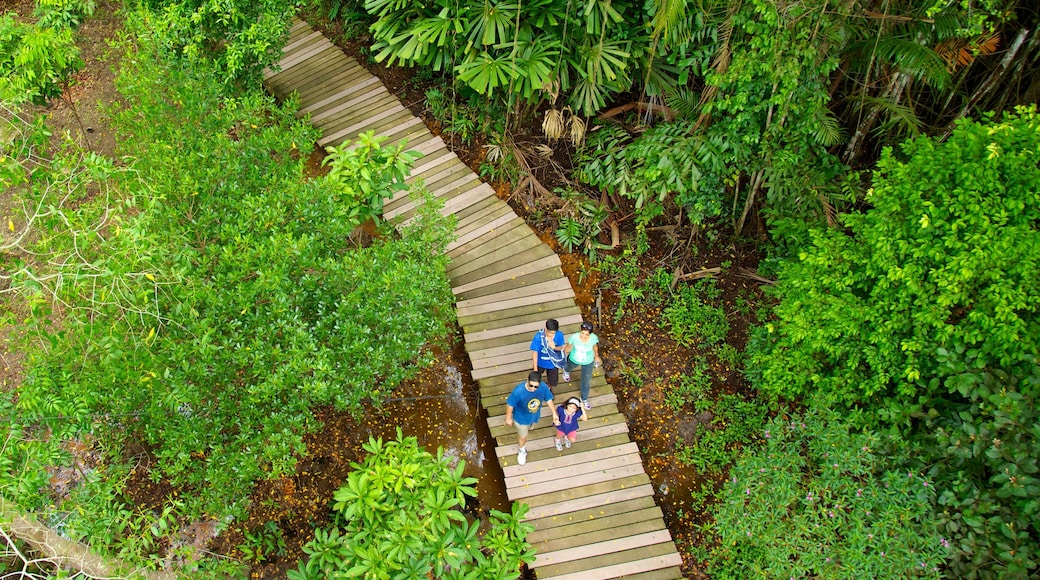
{"x":567,"y":443}
{"x":559,"y":446}
{"x":521,"y":457}
{"x":586,"y":404}
{"x":566,"y":377}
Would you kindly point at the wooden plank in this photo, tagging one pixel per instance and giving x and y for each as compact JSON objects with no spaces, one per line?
{"x":457,"y":199}
{"x":483,"y":235}
{"x":409,"y":133}
{"x":507,"y":317}
{"x":314,"y":54}
{"x":458,"y":183}
{"x":523,"y":248}
{"x":472,"y":220}
{"x":324,"y":92}
{"x":578,"y":480}
{"x":586,"y":495}
{"x":577,"y":461}
{"x":376,"y":103}
{"x":672,"y":573}
{"x":352,"y":96}
{"x":616,"y":565}
{"x":497,"y":423}
{"x":603,"y":548}
{"x":301,"y":79}
{"x":503,"y":338}
{"x":302,"y":41}
{"x":633,"y":488}
{"x":508,"y":243}
{"x":471,"y":213}
{"x":514,"y":278}
{"x":600,"y":396}
{"x":524,"y":328}
{"x":452,"y":171}
{"x":359,"y":127}
{"x":499,"y":219}
{"x":503,"y":265}
{"x":611,"y":431}
{"x":593,"y":529}
{"x":505,"y":434}
{"x":547,"y":528}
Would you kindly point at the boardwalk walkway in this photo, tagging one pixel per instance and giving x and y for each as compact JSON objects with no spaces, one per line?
{"x":592,"y":507}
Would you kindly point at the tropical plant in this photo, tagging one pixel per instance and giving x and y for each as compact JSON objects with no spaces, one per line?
{"x":240,"y":36}
{"x":692,"y":318}
{"x":581,"y":223}
{"x":399,"y":515}
{"x":209,"y":291}
{"x":583,"y":51}
{"x":35,"y":61}
{"x":926,"y":316}
{"x":819,"y":501}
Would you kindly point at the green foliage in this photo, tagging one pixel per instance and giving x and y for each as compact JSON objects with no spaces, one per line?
{"x":586,"y":52}
{"x":692,"y":318}
{"x":984,"y":461}
{"x":949,"y":257}
{"x":399,"y":516}
{"x":770,"y":107}
{"x":581,"y":223}
{"x":364,"y":174}
{"x":263,"y":542}
{"x":240,"y":36}
{"x":735,"y":423}
{"x":35,"y":60}
{"x":465,"y":121}
{"x":819,"y":501}
{"x":62,"y":13}
{"x":215,"y":298}
{"x":692,"y":387}
{"x":668,"y":160}
{"x":925,"y":316}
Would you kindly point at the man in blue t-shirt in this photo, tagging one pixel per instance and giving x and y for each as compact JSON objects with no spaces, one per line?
{"x":547,"y":348}
{"x":524,"y":407}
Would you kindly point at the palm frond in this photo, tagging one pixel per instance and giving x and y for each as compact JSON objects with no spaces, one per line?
{"x":827,"y":131}
{"x":906,"y":56}
{"x":897,"y":116}
{"x":684,"y":101}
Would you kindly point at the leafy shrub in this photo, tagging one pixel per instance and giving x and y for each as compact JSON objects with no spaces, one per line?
{"x":692,"y":387}
{"x":691,"y":319}
{"x":735,"y":422}
{"x":399,"y":516}
{"x":581,"y":222}
{"x":817,"y":501}
{"x":62,"y":13}
{"x":926,"y":316}
{"x":215,"y":299}
{"x":35,"y":60}
{"x":668,"y":160}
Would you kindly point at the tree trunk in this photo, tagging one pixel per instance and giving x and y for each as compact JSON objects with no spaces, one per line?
{"x":67,"y":553}
{"x":991,"y":82}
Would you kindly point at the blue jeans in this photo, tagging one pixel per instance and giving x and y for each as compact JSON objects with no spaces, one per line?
{"x":586,"y":376}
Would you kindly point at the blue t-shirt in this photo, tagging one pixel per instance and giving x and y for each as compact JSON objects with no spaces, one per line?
{"x":527,"y":406}
{"x":567,"y":424}
{"x":547,"y":357}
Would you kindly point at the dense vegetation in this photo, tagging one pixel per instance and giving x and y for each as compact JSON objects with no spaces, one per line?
{"x":202,"y":296}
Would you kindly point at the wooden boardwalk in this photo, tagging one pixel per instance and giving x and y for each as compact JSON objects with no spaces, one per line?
{"x":592,"y":506}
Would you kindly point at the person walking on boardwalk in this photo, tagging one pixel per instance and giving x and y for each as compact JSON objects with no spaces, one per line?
{"x":524,"y":407}
{"x":547,"y":352}
{"x":582,"y":351}
{"x":567,"y":428}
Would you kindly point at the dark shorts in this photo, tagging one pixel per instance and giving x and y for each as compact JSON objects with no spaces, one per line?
{"x":552,"y":376}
